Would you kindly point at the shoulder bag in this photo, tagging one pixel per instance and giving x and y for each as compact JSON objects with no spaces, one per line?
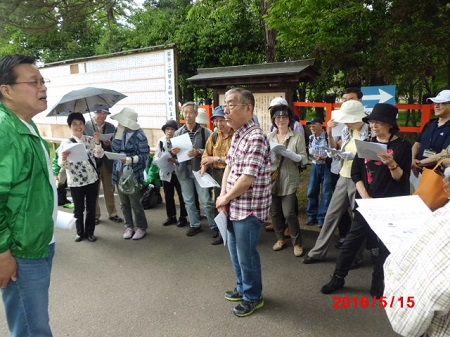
{"x":430,"y":188}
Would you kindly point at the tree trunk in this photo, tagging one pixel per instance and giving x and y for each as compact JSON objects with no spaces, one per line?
{"x":269,"y":36}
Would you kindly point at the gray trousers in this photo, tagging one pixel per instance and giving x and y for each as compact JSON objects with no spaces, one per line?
{"x":343,"y":198}
{"x":283,"y":211}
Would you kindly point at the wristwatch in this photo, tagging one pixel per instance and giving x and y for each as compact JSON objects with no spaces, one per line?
{"x":219,"y":160}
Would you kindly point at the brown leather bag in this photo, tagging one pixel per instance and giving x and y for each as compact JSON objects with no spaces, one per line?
{"x":430,"y":188}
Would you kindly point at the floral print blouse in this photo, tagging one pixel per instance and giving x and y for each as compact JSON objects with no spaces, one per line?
{"x":81,"y":173}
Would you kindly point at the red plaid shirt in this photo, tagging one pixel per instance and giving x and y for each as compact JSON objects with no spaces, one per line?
{"x":249,"y":154}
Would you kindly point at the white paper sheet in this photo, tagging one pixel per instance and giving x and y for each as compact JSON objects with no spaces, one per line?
{"x":77,"y":152}
{"x":115,"y":156}
{"x":222,"y":223}
{"x":183,"y":142}
{"x":275,"y":147}
{"x":395,"y":220}
{"x":165,"y":167}
{"x":333,"y":152}
{"x":205,"y":181}
{"x":337,"y":130}
{"x":369,"y":150}
{"x":64,"y":220}
{"x":106,"y":136}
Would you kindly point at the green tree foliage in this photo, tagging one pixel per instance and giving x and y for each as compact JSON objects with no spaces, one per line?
{"x":207,"y":33}
{"x":356,"y":42}
{"x":220,"y":33}
{"x":57,"y":30}
{"x":373,"y":42}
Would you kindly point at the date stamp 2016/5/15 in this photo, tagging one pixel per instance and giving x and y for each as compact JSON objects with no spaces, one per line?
{"x":345,"y":302}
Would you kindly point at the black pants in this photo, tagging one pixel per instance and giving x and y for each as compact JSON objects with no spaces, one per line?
{"x":84,"y":197}
{"x":62,"y":194}
{"x":359,"y":231}
{"x":169,"y":197}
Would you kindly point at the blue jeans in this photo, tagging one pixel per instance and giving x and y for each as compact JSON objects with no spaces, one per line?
{"x":204,"y":195}
{"x":26,"y":300}
{"x":320,"y":175}
{"x":243,"y":237}
{"x":132,"y":204}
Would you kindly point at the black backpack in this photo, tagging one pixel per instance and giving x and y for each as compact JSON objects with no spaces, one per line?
{"x":150,"y":197}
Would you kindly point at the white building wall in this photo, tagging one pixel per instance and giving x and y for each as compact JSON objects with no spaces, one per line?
{"x":147,"y":78}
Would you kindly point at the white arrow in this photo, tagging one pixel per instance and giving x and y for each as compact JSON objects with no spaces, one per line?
{"x":381,"y":98}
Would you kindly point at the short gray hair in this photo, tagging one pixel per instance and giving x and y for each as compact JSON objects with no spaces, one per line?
{"x":190,"y":103}
{"x":245,"y":96}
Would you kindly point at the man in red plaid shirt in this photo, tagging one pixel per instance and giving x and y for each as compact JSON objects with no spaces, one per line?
{"x":245,"y":199}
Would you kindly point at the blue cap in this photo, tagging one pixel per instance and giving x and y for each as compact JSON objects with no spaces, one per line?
{"x":315,"y":120}
{"x":218,"y":112}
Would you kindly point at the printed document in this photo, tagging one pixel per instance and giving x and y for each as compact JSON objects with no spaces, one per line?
{"x":115,"y":156}
{"x":369,"y":150}
{"x":77,"y":152}
{"x":205,"y":180}
{"x":183,"y":142}
{"x":222,"y":223}
{"x":395,"y":220}
{"x":106,"y":136}
{"x":165,"y":167}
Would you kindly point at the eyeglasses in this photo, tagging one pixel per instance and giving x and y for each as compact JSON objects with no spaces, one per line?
{"x":231,"y":106}
{"x":376,"y":122}
{"x":36,"y":83}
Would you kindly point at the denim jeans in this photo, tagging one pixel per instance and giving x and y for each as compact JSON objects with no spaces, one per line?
{"x":132,"y":203}
{"x":320,"y":176}
{"x":243,"y":237}
{"x":204,"y":195}
{"x":26,"y":300}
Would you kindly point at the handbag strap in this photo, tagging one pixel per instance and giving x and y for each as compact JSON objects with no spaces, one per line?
{"x":439,"y":163}
{"x":89,"y":156}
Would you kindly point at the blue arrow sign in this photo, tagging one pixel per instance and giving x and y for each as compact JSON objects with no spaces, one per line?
{"x":378,"y":94}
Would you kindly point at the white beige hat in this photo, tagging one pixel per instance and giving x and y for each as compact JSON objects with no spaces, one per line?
{"x":128,"y":118}
{"x":278,"y":101}
{"x":350,"y":112}
{"x":202,"y":117}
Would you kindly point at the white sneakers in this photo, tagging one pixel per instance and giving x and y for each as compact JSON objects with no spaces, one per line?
{"x":139,"y":234}
{"x":128,"y":233}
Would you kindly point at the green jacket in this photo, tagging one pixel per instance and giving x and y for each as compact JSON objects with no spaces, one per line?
{"x":152,"y":174}
{"x":55,"y":167}
{"x":26,"y":195}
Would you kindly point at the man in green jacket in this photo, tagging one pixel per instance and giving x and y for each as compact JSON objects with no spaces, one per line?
{"x":27,"y":199}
